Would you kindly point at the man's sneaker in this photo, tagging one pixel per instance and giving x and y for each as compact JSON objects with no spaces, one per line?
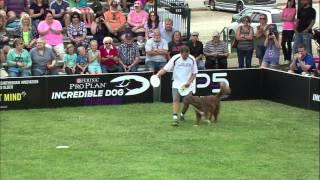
{"x":175,"y":120}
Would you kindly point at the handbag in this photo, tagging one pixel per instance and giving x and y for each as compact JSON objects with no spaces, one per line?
{"x":234,"y":43}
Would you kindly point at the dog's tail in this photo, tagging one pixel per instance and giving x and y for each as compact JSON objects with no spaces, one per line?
{"x":224,"y":90}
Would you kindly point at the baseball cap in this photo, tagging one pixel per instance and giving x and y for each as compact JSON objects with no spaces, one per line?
{"x":215,"y":33}
{"x":137,"y":3}
{"x":194,"y":34}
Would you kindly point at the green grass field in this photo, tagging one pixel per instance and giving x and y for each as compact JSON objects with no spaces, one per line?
{"x":252,"y":140}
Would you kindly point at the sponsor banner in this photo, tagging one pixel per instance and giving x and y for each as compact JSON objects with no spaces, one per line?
{"x":98,"y":90}
{"x":22,"y":93}
{"x":244,"y":83}
{"x":315,"y":93}
{"x":286,"y":88}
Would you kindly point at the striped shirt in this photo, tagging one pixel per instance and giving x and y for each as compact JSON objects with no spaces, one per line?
{"x":220,"y":47}
{"x":128,"y":53}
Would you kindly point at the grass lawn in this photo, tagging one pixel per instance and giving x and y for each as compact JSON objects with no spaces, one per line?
{"x":252,"y":140}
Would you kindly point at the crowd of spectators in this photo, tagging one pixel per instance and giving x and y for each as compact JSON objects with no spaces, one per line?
{"x":115,"y":37}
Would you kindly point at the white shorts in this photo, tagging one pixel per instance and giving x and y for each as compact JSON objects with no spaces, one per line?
{"x":58,"y":49}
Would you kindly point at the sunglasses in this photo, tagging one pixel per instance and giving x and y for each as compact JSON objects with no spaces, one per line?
{"x":195,"y":35}
{"x":262,"y":18}
{"x":107,"y":43}
{"x":75,"y":17}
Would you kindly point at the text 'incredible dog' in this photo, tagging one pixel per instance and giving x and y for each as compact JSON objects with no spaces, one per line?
{"x":206,"y":106}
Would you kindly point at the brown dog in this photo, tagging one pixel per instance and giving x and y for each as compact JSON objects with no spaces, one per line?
{"x":206,"y":105}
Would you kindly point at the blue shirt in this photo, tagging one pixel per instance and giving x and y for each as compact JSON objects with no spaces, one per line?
{"x":308,"y":59}
{"x":57,"y":8}
{"x":82,"y":60}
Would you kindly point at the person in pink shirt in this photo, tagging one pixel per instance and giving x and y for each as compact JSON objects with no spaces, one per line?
{"x":51,"y":31}
{"x":288,"y":26}
{"x":137,"y":19}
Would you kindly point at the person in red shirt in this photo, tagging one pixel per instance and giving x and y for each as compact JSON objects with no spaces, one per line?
{"x":109,"y":57}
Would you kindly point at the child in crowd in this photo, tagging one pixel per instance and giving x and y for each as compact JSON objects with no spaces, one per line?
{"x":70,"y":58}
{"x":82,"y":61}
{"x":94,"y":58}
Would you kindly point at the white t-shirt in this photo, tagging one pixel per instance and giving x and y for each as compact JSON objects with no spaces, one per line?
{"x":182,"y":69}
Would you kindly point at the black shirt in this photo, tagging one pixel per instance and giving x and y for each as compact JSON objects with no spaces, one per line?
{"x":36,"y":9}
{"x":195,"y":50}
{"x":305,"y":16}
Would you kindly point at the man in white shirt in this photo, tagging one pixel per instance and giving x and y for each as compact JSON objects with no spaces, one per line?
{"x":184,"y":67}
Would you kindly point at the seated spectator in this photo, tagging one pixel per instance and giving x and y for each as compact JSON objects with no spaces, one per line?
{"x":152,"y":23}
{"x":123,"y":4}
{"x":129,"y":54}
{"x":216,"y":53}
{"x":157,"y":51}
{"x":196,"y":49}
{"x":17,"y":6}
{"x":77,"y":31}
{"x":109,"y":57}
{"x":81,"y":7}
{"x":94,"y":58}
{"x":36,"y":11}
{"x":59,"y":11}
{"x":12,"y":20}
{"x":51,"y":31}
{"x":27,"y":32}
{"x":18,"y":60}
{"x":82,"y":61}
{"x":272,"y":54}
{"x":99,"y":29}
{"x":43,"y":59}
{"x":136,"y":20}
{"x":175,"y":45}
{"x":69,"y":59}
{"x":302,"y":62}
{"x":168,"y":30}
{"x":97,"y":7}
{"x":149,"y":5}
{"x":4,"y":38}
{"x":115,"y":20}
{"x":3,"y":61}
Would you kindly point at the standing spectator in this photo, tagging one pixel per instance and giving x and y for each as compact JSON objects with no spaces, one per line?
{"x":184,"y":70}
{"x":303,"y":31}
{"x":261,"y":37}
{"x":152,"y":23}
{"x":77,"y":31}
{"x":302,"y":62}
{"x":244,"y":36}
{"x":18,"y":60}
{"x":196,"y":49}
{"x":94,"y":58}
{"x":43,"y":60}
{"x":288,"y":26}
{"x":98,"y":29}
{"x":115,"y":20}
{"x":216,"y":52}
{"x":4,"y":39}
{"x":109,"y":57}
{"x":82,"y":61}
{"x":168,"y":30}
{"x":27,"y":32}
{"x":175,"y":44}
{"x":136,"y":20}
{"x":36,"y":11}
{"x":157,"y":51}
{"x":129,"y":54}
{"x":69,"y":59}
{"x":272,"y":54}
{"x":59,"y":11}
{"x":51,"y":31}
{"x":17,"y":6}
